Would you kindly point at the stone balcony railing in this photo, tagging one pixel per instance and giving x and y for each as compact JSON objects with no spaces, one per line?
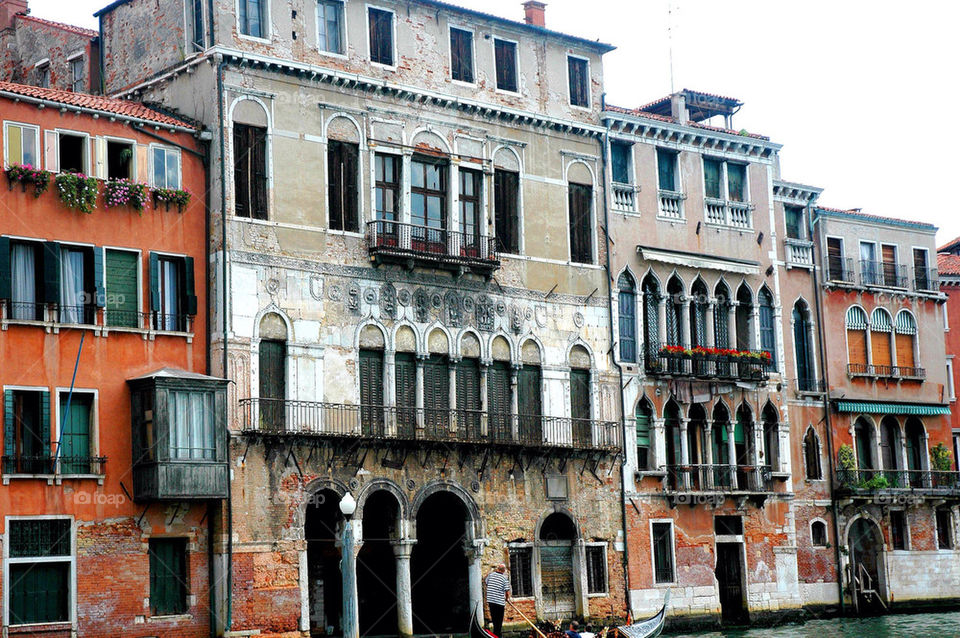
{"x":721,"y":212}
{"x":280,"y":417}
{"x":799,"y":253}
{"x":671,"y":205}
{"x":624,"y":197}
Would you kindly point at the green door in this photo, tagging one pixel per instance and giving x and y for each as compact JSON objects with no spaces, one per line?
{"x":528,"y":404}
{"x":75,"y":440}
{"x":498,"y":401}
{"x":468,"y":398}
{"x":121,"y":302}
{"x":406,"y":387}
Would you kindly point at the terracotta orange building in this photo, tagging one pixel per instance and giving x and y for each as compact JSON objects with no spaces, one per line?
{"x":113,"y":466}
{"x":948,"y":264}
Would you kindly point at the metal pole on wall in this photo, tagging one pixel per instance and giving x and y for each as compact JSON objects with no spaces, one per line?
{"x":348,"y":571}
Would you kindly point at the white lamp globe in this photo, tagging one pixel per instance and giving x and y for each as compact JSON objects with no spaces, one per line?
{"x":348,"y":505}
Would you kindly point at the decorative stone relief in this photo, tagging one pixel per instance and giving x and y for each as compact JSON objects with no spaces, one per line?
{"x":273,"y":285}
{"x":436,"y":300}
{"x":316,"y":287}
{"x":335,"y":292}
{"x":388,"y":301}
{"x":454,"y":309}
{"x":501,"y":308}
{"x":540,"y":314}
{"x":485,"y":316}
{"x":516,"y":319}
{"x":468,"y":304}
{"x":578,"y":319}
{"x":421,"y":305}
{"x":403,"y":297}
{"x":370,"y":296}
{"x":353,"y":299}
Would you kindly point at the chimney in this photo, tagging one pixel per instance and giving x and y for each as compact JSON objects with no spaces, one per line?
{"x":678,"y":108}
{"x":535,"y":13}
{"x":8,"y":9}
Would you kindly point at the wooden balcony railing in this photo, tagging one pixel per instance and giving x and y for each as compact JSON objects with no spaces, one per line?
{"x":408,"y":243}
{"x":398,"y":423}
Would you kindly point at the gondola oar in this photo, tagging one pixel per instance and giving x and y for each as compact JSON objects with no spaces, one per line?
{"x":535,"y":628}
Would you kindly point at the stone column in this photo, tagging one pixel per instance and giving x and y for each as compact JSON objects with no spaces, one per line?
{"x":452,"y":393}
{"x":474,"y":553}
{"x":732,"y":455}
{"x":420,"y":420}
{"x":484,"y":401}
{"x":350,"y":547}
{"x":514,"y":402}
{"x":685,"y":327}
{"x":402,"y":550}
{"x":662,"y":314}
{"x":684,"y":452}
{"x":710,"y":331}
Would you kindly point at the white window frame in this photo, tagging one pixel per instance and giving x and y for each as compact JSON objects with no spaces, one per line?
{"x":23,"y":127}
{"x":606,"y":570}
{"x":58,"y":420}
{"x":140,"y":295}
{"x":268,"y":31}
{"x":673,"y":552}
{"x":951,"y":385}
{"x":473,"y":54}
{"x":88,"y":147}
{"x":72,"y":560}
{"x":516,"y":65}
{"x":133,"y":160}
{"x":826,"y":529}
{"x":343,"y":30}
{"x":393,"y":37}
{"x":150,"y":164}
{"x":589,"y":105}
{"x":73,"y":78}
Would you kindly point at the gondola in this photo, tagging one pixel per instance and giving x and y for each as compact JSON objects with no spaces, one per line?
{"x":649,"y":628}
{"x":476,"y":627}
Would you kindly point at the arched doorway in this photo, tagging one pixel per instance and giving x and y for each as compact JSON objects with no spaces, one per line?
{"x":323,"y":525}
{"x":671,"y":424}
{"x":438,"y":566}
{"x":272,"y":370}
{"x":744,"y":444}
{"x":721,"y":447}
{"x":916,"y":451}
{"x":377,"y":565}
{"x":866,"y":564}
{"x":556,"y":544}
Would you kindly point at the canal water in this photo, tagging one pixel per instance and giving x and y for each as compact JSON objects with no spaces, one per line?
{"x":893,"y":626}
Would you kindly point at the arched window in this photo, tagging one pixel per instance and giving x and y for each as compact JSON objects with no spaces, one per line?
{"x":371,"y":375}
{"x":811,"y":456}
{"x":721,"y":325}
{"x":803,"y":348}
{"x":272,"y":370}
{"x":818,"y":534}
{"x":768,"y":330}
{"x":529,"y":393}
{"x":744,"y":319}
{"x":699,"y":304}
{"x":906,"y":345}
{"x":721,"y":446}
{"x":675,"y":312}
{"x":651,"y":322}
{"x":771,"y":438}
{"x":890,"y":448}
{"x":880,"y":351}
{"x":864,"y":437}
{"x":628,"y":318}
{"x":644,"y":417}
{"x":856,"y":340}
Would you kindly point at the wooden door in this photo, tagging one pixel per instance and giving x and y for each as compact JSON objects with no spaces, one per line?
{"x":730,"y":580}
{"x":371,"y":392}
{"x":580,"y":406}
{"x":529,"y":404}
{"x":556,"y":578}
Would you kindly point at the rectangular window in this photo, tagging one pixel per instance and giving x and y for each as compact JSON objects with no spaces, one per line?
{"x":120,"y":160}
{"x":76,"y":74}
{"x":793,"y":216}
{"x":662,"y":552}
{"x":461,"y":55}
{"x":944,"y":529}
{"x":898,"y":529}
{"x":26,"y":432}
{"x":192,"y":420}
{"x":581,"y":209}
{"x":643,"y":441}
{"x":371,"y":392}
{"x":506,"y":205}
{"x":77,"y":285}
{"x":889,"y":256}
{"x":198,"y":39}
{"x":387,"y":177}
{"x":39,"y":577}
{"x":405,"y":377}
{"x":596,"y":556}
{"x":21,"y":144}
{"x":666,"y":170}
{"x":43,"y":75}
{"x":736,"y":182}
{"x":835,"y":262}
{"x":951,"y":388}
{"x":869,"y":268}
{"x":578,"y":73}
{"x":253,"y":18}
{"x":620,"y":162}
{"x":381,"y":36}
{"x":76,"y":418}
{"x":922,"y":276}
{"x":712,"y":176}
{"x":166,"y":167}
{"x":121,"y":269}
{"x":428,"y":205}
{"x":72,"y":153}
{"x":168,"y":576}
{"x":521,"y":572}
{"x":26,"y":279}
{"x":172,"y":291}
{"x":470,"y":212}
{"x":330,"y":26}
{"x":342,"y":173}
{"x":250,"y":171}
{"x":505,"y":55}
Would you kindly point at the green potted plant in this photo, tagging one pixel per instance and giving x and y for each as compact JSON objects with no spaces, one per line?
{"x":25,"y":174}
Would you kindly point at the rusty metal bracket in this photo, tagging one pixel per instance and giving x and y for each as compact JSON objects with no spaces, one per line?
{"x":142,"y":514}
{"x":176,"y":511}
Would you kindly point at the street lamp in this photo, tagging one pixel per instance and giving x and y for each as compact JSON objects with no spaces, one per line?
{"x":348,"y":569}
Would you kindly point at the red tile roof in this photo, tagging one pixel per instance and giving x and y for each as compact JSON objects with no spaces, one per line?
{"x":948,"y":264}
{"x":123,"y":108}
{"x":87,"y":33}
{"x":880,"y":218}
{"x":664,"y":118}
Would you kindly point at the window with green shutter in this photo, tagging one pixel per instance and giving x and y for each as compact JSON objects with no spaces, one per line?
{"x":122,"y":290}
{"x":26,"y":432}
{"x":666,"y":169}
{"x":39,"y":568}
{"x":712,"y":170}
{"x":75,"y":413}
{"x":436,"y":395}
{"x":405,"y":376}
{"x":371,"y":391}
{"x":168,"y":576}
{"x":468,"y":398}
{"x":498,"y":400}
{"x":644,"y":416}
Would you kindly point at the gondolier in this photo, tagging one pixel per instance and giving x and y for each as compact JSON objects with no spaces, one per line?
{"x":498,"y":593}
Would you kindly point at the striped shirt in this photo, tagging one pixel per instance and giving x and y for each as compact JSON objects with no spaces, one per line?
{"x":497,"y":587}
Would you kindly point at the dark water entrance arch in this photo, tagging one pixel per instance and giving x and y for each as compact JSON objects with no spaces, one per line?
{"x":441,"y":598}
{"x":323,"y":525}
{"x":377,"y":565}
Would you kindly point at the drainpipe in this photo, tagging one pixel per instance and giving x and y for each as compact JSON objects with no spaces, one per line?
{"x":100,"y":55}
{"x":824,"y":374}
{"x":604,"y":146}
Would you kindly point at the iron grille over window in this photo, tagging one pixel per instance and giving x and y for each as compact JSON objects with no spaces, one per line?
{"x":521,"y":572}
{"x":663,"y":552}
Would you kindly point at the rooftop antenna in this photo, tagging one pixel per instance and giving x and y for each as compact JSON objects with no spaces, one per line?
{"x":670,"y":39}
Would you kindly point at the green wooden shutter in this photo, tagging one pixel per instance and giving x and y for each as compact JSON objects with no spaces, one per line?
{"x":39,"y":593}
{"x":75,"y":439}
{"x":189,"y":287}
{"x":666,"y":164}
{"x":100,"y":297}
{"x":529,"y":404}
{"x":643,"y":430}
{"x":468,"y":398}
{"x":168,"y":576}
{"x":498,"y":400}
{"x":9,"y":426}
{"x":405,"y":375}
{"x":45,"y":421}
{"x":122,"y":288}
{"x":371,"y":391}
{"x":436,"y":394}
{"x":51,"y":272}
{"x":6,"y":286}
{"x":154,"y":281}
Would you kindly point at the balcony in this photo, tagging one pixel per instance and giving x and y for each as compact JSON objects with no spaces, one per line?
{"x":411,"y":245}
{"x":47,"y":466}
{"x":882,"y":274}
{"x":926,"y":280}
{"x":877,"y":484}
{"x":624,"y":197}
{"x":721,"y":212}
{"x":280,"y":417}
{"x":809,"y":386}
{"x":840,"y":271}
{"x":799,"y":253}
{"x":53,"y":317}
{"x":905,"y":373}
{"x":671,"y":205}
{"x":743,"y":366}
{"x":710,"y":484}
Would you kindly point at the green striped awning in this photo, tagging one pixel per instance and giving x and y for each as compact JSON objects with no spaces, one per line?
{"x":874,"y":407}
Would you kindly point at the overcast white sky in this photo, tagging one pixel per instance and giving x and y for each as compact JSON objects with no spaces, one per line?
{"x":853,"y":89}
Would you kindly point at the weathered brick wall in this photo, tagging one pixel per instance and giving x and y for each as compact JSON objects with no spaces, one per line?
{"x":133,"y":53}
{"x":30,"y":41}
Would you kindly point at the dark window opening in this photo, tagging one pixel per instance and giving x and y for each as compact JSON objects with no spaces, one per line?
{"x":835,"y":261}
{"x":620,"y":162}
{"x":168,"y":576}
{"x":736,"y":182}
{"x":120,"y":160}
{"x":342,"y":168}
{"x":944,"y":529}
{"x":507,"y":210}
{"x":250,"y":171}
{"x":794,"y":220}
{"x":198,"y":39}
{"x":252,"y":18}
{"x":818,"y":534}
{"x":461,"y":55}
{"x":728,"y":525}
{"x":628,"y":318}
{"x":811,"y":455}
{"x":581,"y":242}
{"x":172,"y":291}
{"x":898,"y":529}
{"x":72,"y":153}
{"x":26,"y":432}
{"x":596,"y":569}
{"x":381,"y":37}
{"x":579,"y":75}
{"x":662,"y":552}
{"x":521,"y":572}
{"x":666,"y":170}
{"x":505,"y":54}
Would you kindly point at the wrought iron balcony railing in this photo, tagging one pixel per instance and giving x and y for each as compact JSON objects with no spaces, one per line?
{"x":47,"y":465}
{"x":400,"y":242}
{"x":872,"y":481}
{"x":90,"y":315}
{"x":338,"y":420}
{"x":840,"y":270}
{"x":910,"y":373}
{"x":752,"y":367}
{"x":926,"y":280}
{"x":719,"y":478}
{"x":882,"y":273}
{"x":809,"y":386}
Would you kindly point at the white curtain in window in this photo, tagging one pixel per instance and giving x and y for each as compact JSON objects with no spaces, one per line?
{"x":24,"y":286}
{"x":169,"y":301}
{"x":71,"y":286}
{"x":192,"y":434}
